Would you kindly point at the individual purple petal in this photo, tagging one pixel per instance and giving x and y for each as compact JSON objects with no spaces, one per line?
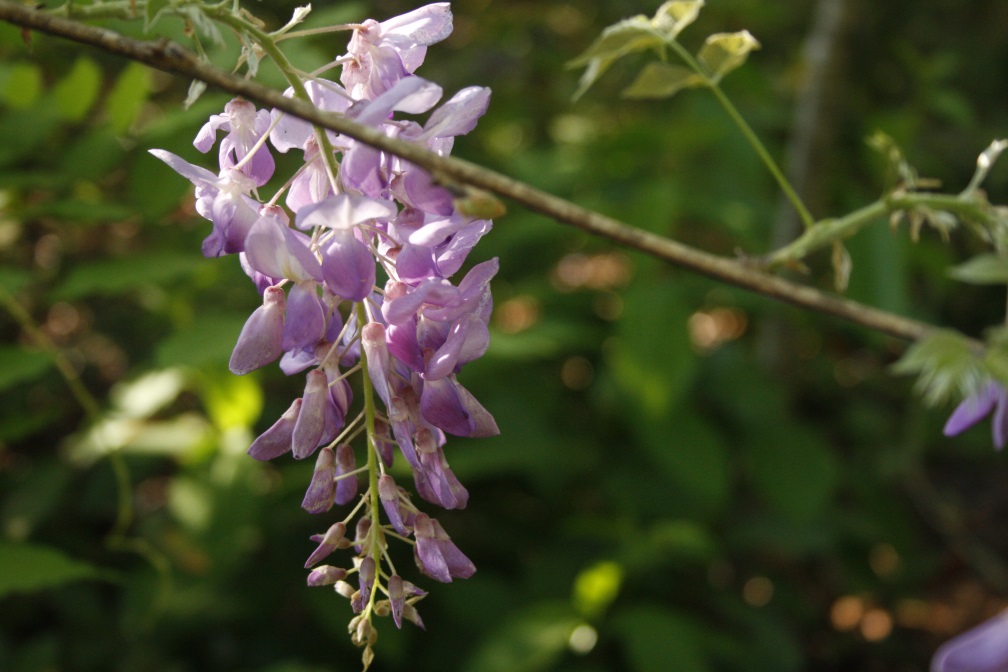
{"x":326,"y":575}
{"x":412,"y":95}
{"x":999,"y":425}
{"x":452,"y":255}
{"x":363,"y":170}
{"x":460,"y":566}
{"x":442,"y":487}
{"x":335,"y":537}
{"x":972,"y":410}
{"x":297,"y":361}
{"x":260,"y":280}
{"x":458,"y":115}
{"x":276,"y":250}
{"x":305,"y":323}
{"x":423,"y":26}
{"x":319,"y":496}
{"x":276,"y":440}
{"x":415,"y":263}
{"x":981,"y":649}
{"x":397,"y":598}
{"x":312,"y":184}
{"x":348,"y":267}
{"x":388,"y":492}
{"x":451,"y":407}
{"x":310,"y":424}
{"x":346,"y":486}
{"x":344,"y":211}
{"x":427,"y":551}
{"x":366,"y":578}
{"x":293,"y":133}
{"x":403,"y":345}
{"x":195,"y":174}
{"x":419,"y":190}
{"x":377,"y":354}
{"x":261,"y":338}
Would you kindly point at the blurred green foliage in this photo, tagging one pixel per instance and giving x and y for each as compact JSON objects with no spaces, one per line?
{"x":664,"y":495}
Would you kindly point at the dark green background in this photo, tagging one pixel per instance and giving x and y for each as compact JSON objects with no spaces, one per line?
{"x":700,"y":509}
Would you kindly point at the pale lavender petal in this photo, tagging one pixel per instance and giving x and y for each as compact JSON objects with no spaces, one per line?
{"x":427,"y":551}
{"x":326,"y":575}
{"x":311,"y":420}
{"x":999,"y":427}
{"x":276,"y":250}
{"x":194,"y":174}
{"x":346,"y":487}
{"x":415,"y":263}
{"x":971,"y":410}
{"x":388,"y":492}
{"x":276,"y":440}
{"x":458,"y":115}
{"x":377,"y":354}
{"x":319,"y":496}
{"x":459,"y":565}
{"x":348,"y":267}
{"x":982,"y":649}
{"x":261,"y":339}
{"x":344,"y":211}
{"x":305,"y":323}
{"x":451,"y":407}
{"x":423,"y":26}
{"x":334,"y":537}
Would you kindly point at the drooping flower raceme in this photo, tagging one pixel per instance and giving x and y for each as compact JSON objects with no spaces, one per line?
{"x":356,"y":277}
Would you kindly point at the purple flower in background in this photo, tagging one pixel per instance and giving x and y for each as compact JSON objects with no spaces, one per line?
{"x":981,"y":649}
{"x":973,"y":409}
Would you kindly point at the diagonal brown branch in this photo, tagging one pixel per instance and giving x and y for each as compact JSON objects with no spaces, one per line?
{"x":172,"y":58}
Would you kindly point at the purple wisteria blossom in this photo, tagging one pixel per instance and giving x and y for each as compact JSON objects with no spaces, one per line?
{"x":982,"y":649}
{"x":357,"y":276}
{"x":973,"y":409}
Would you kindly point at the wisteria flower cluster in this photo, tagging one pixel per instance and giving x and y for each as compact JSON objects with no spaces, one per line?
{"x":355,"y":217}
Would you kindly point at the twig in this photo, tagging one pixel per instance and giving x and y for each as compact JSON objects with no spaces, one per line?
{"x":172,"y":58}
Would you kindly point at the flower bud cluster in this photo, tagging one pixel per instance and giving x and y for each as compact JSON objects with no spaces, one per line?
{"x":356,"y":217}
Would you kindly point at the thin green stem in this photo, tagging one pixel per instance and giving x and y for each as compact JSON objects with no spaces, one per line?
{"x":803,"y":213}
{"x":828,"y":231}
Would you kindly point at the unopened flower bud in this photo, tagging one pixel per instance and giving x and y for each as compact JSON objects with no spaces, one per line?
{"x":326,"y":575}
{"x":276,"y":440}
{"x":327,"y":543}
{"x":346,"y":486}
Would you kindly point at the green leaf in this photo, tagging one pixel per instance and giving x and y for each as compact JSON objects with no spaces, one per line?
{"x":653,"y":361}
{"x":723,"y":52}
{"x":530,"y":641}
{"x":985,"y":269}
{"x":18,"y":365}
{"x":793,"y":470}
{"x":20,"y":84}
{"x":121,"y":276}
{"x":127,"y":97}
{"x":74,"y":95}
{"x":626,"y":37}
{"x":673,"y":16}
{"x":658,"y":640}
{"x":946,"y":367}
{"x":662,"y":80}
{"x":28,"y":567}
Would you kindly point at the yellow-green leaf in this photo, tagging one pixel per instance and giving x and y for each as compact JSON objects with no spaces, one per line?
{"x":74,"y":95}
{"x":127,"y":97}
{"x":20,"y":84}
{"x":662,"y":80}
{"x":673,"y":16}
{"x":723,"y":52}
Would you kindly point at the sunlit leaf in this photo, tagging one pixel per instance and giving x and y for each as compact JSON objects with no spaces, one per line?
{"x":673,"y":16}
{"x":985,"y":269}
{"x":662,"y":80}
{"x":127,"y":97}
{"x":20,"y":85}
{"x":74,"y":95}
{"x":595,"y":588}
{"x":618,"y":40}
{"x":30,"y":567}
{"x":723,"y":52}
